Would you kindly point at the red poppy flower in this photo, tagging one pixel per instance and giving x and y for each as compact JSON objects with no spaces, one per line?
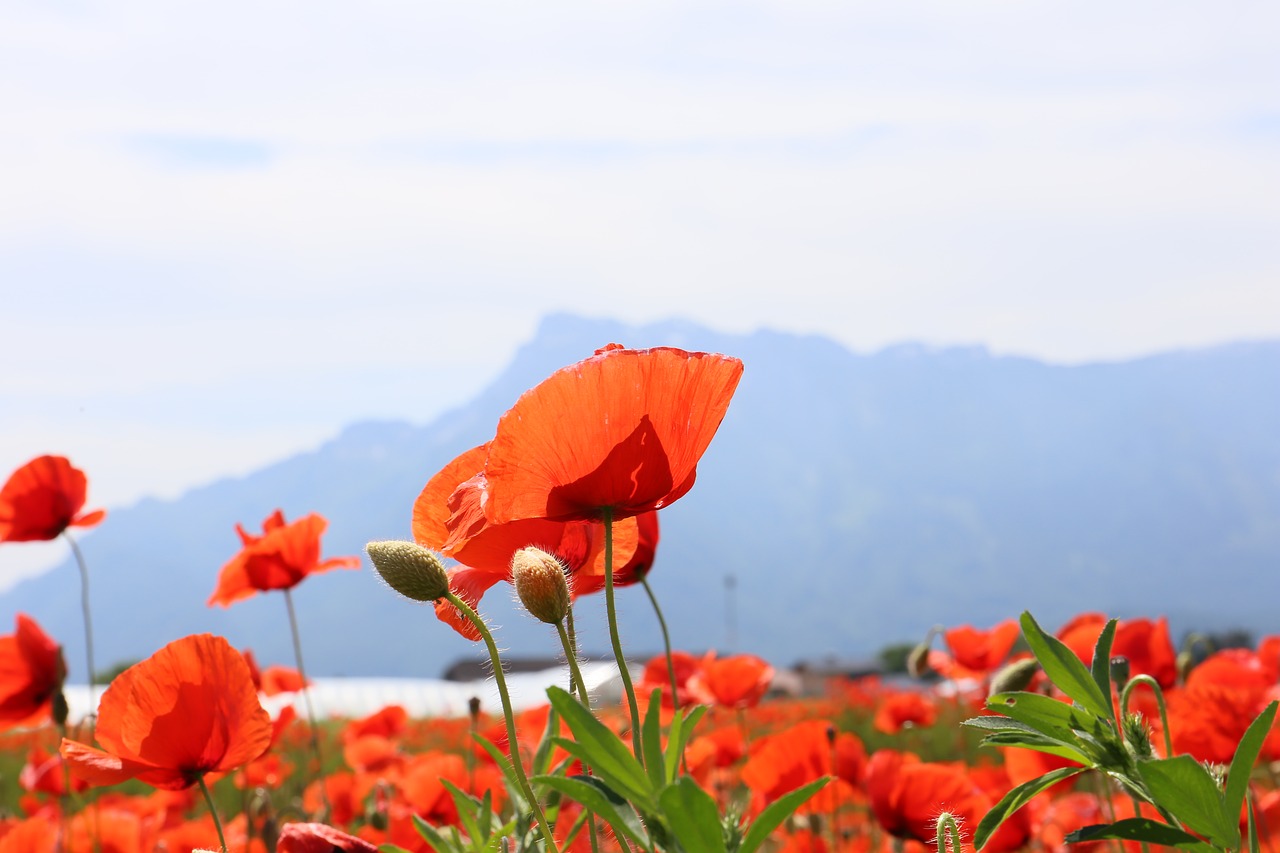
{"x":449,"y":517}
{"x":907,"y":796}
{"x":188,"y":710}
{"x":42,"y":499}
{"x":319,"y":838}
{"x":278,"y":559}
{"x":898,"y":710}
{"x":979,"y":650}
{"x":621,"y":430}
{"x":1144,"y":642}
{"x":31,"y":674}
{"x":738,"y":681}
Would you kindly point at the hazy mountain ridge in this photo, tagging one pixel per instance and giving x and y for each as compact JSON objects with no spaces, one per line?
{"x":857,"y":499}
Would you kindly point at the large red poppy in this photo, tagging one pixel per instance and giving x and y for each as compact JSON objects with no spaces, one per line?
{"x":189,"y":709}
{"x":449,"y":517}
{"x":43,"y":498}
{"x":31,"y":674}
{"x":982,"y":650}
{"x":622,"y":430}
{"x":280,"y":558}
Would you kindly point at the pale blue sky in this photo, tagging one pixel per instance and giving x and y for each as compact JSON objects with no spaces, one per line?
{"x":228,"y":229}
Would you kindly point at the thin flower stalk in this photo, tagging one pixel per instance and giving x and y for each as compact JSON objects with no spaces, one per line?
{"x":84,"y":607}
{"x":311,"y":711}
{"x":666,"y":643}
{"x":612,"y":611}
{"x":517,"y":763}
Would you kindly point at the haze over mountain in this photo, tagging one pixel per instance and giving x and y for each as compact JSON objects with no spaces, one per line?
{"x":856,"y":499}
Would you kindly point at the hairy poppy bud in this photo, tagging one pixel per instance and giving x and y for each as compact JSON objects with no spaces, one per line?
{"x":409,"y":569}
{"x":540,"y":583}
{"x":1014,"y":676}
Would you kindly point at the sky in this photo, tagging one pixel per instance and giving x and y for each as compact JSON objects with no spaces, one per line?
{"x":227,"y":230}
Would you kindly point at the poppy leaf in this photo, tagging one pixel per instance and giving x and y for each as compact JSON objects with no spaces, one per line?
{"x":693,"y":816}
{"x":776,"y":812}
{"x":681,"y":730}
{"x":1064,"y":669}
{"x":1101,"y":666}
{"x":391,"y":848}
{"x":1045,"y":714}
{"x":1038,"y":742}
{"x":467,"y":807}
{"x":599,"y":748}
{"x":1139,"y":829}
{"x":651,"y":742}
{"x":598,"y":797}
{"x":542,"y":755}
{"x":503,"y":763}
{"x":1183,"y":786}
{"x":1016,"y":799}
{"x":1253,"y":831}
{"x":432,"y":836}
{"x":1245,"y":757}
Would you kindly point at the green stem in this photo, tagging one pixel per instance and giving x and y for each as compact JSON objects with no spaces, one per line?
{"x":213,"y":810}
{"x":612,"y":611}
{"x":311,"y":711}
{"x":84,"y":606}
{"x":513,"y":745}
{"x":576,"y":680}
{"x":1164,"y":716}
{"x":666,"y":642}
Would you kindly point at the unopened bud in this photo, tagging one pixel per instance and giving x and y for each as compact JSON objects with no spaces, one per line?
{"x":1120,"y":670}
{"x":540,"y":582}
{"x":918,"y":661}
{"x":473,"y":707}
{"x":409,"y":569}
{"x":1014,"y":676}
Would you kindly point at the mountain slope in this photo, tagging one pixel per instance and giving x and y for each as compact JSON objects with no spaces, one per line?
{"x":855,"y":499}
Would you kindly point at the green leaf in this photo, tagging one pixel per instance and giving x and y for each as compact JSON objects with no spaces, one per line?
{"x":1045,"y":714}
{"x":1253,"y":831}
{"x":1065,"y":669}
{"x":433,"y":837}
{"x":468,"y":808}
{"x":1246,"y":756}
{"x":651,"y":742}
{"x":391,"y":848}
{"x":599,"y":748}
{"x":1186,"y":789}
{"x":693,"y":816}
{"x":542,"y":755}
{"x":776,"y":812}
{"x":1038,"y":742}
{"x":1101,"y":667}
{"x":597,"y":797}
{"x":1140,"y":829}
{"x":682,"y":724}
{"x":1016,"y":799}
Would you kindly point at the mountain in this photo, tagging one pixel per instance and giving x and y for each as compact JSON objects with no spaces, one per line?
{"x":855,"y":500}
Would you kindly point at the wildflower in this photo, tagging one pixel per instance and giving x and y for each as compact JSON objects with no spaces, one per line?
{"x":280,"y":558}
{"x":42,"y":499}
{"x":189,"y":709}
{"x":31,"y":675}
{"x":621,"y":431}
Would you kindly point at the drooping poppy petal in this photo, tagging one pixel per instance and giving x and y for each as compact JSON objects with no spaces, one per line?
{"x":31,"y":674}
{"x":189,"y":709}
{"x":623,"y":429}
{"x":319,"y":838}
{"x":43,"y":498}
{"x":281,"y":558}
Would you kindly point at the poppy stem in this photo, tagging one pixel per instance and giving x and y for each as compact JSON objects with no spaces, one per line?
{"x":612,"y":610}
{"x":666,"y":642}
{"x":1164,"y":714}
{"x":517,"y":762}
{"x":311,"y":711}
{"x":84,"y":605}
{"x":575,"y":673}
{"x":213,"y":810}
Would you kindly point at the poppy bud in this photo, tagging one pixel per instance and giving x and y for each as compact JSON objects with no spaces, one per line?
{"x":540,"y":583}
{"x":473,"y":707}
{"x":1120,"y":670}
{"x":1014,"y":676}
{"x":409,"y":569}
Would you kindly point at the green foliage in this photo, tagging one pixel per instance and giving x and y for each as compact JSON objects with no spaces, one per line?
{"x":1194,"y":807}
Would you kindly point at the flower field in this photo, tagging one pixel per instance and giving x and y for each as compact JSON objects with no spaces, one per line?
{"x":1099,"y":734}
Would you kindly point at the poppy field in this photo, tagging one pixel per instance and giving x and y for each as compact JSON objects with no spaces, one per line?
{"x":1099,"y":734}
